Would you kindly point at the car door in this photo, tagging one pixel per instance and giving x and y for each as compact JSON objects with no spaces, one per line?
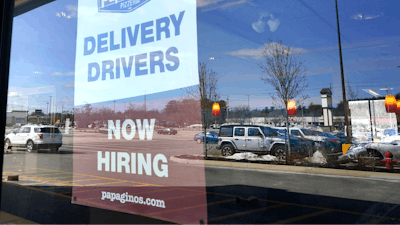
{"x":270,"y":137}
{"x":17,"y":140}
{"x":12,"y":136}
{"x":254,"y":139}
{"x":239,"y":138}
{"x":24,"y":135}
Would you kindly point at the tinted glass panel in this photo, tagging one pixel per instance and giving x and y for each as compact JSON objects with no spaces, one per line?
{"x":225,"y":132}
{"x":47,"y":130}
{"x":254,"y":132}
{"x":239,"y":131}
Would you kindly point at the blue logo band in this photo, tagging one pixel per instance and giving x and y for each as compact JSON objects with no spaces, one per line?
{"x":120,"y":6}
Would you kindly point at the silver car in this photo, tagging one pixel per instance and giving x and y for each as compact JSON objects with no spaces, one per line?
{"x":370,"y":150}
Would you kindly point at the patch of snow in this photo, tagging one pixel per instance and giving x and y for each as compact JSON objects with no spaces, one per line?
{"x":251,"y":157}
{"x":318,"y":158}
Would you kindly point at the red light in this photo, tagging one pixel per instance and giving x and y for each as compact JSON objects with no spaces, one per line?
{"x":216,"y":110}
{"x":291,"y":108}
{"x":398,"y":107}
{"x":390,"y":104}
{"x":41,"y":136}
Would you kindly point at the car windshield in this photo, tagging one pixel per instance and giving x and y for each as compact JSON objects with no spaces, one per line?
{"x":280,"y":132}
{"x":309,"y":132}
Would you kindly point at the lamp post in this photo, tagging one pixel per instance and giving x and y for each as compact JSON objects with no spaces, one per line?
{"x":346,"y":106}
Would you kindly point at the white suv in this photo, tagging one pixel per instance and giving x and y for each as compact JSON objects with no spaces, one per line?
{"x":34,"y":137}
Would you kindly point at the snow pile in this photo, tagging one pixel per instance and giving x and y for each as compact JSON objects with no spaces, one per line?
{"x":318,"y":158}
{"x":251,"y":157}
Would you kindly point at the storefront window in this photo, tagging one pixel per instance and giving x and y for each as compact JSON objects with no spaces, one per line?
{"x":110,"y":112}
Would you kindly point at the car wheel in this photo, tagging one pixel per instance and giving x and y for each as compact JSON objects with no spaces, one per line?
{"x":30,"y":146}
{"x":7,"y":144}
{"x":280,"y":154}
{"x":198,"y":140}
{"x":227,"y":150}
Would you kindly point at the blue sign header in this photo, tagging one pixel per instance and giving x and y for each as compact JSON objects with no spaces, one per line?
{"x":120,"y":6}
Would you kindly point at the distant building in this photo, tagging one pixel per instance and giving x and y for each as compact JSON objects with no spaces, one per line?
{"x":16,"y":116}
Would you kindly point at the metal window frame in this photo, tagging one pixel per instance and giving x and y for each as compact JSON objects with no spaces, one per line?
{"x":6,"y":22}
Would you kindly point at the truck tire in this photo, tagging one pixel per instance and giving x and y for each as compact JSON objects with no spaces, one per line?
{"x":7,"y":144}
{"x":280,"y":153}
{"x":30,"y":146}
{"x":227,"y":150}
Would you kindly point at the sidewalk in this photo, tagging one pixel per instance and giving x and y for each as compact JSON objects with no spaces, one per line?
{"x":7,"y":218}
{"x":290,"y":168}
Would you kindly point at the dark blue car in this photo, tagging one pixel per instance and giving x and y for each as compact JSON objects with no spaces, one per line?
{"x":211,"y":137}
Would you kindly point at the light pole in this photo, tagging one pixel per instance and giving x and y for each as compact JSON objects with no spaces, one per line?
{"x":346,"y":106}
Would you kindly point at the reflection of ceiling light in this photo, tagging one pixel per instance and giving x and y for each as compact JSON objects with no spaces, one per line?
{"x":371,"y":92}
{"x":364,"y":16}
{"x":63,"y":14}
{"x":259,"y":26}
{"x":273,"y":23}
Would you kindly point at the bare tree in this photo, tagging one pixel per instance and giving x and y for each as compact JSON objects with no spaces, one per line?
{"x":207,"y":88}
{"x":285,"y":73}
{"x":239,"y":114}
{"x":351,"y":93}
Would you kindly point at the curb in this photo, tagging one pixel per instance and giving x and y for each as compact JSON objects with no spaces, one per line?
{"x":186,"y":161}
{"x":290,"y":168}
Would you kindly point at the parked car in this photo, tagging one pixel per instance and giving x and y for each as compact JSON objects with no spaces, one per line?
{"x":34,"y":137}
{"x":211,"y":137}
{"x":389,"y":132}
{"x":103,"y":129}
{"x":371,"y":150}
{"x":254,"y":138}
{"x":390,"y":139}
{"x":167,"y":131}
{"x":17,"y":125}
{"x":343,"y":137}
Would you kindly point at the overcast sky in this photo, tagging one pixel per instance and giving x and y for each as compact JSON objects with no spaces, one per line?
{"x":231,"y":36}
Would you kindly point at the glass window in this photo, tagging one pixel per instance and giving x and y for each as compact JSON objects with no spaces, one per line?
{"x":47,"y":130}
{"x":267,"y":131}
{"x":239,"y":131}
{"x":121,"y":75}
{"x":226,"y":132}
{"x":253,"y":132}
{"x":295,"y":132}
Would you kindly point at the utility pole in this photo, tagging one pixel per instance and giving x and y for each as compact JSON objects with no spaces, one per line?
{"x":302,"y":115}
{"x":51,"y":118}
{"x":346,"y":107}
{"x":248,"y":105}
{"x":62,"y":111}
{"x":227,"y":108}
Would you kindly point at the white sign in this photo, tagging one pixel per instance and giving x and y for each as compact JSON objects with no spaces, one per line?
{"x":130,"y":48}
